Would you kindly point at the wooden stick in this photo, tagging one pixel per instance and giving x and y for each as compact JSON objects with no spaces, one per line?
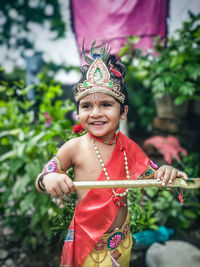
{"x":178,"y":182}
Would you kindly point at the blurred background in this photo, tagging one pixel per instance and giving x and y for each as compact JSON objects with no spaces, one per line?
{"x":40,"y":59}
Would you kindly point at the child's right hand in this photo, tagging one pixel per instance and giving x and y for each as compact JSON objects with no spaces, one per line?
{"x":58,"y":184}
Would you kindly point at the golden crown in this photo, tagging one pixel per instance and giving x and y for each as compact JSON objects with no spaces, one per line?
{"x":98,"y":81}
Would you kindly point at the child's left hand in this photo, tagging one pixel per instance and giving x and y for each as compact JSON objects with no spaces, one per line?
{"x":167,"y":174}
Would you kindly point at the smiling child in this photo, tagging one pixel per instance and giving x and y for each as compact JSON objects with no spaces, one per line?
{"x":99,"y":234}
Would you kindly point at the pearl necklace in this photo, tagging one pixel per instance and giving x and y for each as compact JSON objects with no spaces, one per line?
{"x":117,"y":196}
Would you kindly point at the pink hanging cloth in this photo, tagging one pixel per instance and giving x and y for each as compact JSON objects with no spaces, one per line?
{"x":112,"y":21}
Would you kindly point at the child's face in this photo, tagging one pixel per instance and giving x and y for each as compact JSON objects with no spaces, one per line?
{"x":100,"y":114}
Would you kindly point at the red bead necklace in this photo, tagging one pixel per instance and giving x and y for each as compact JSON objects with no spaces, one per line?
{"x":102,"y":141}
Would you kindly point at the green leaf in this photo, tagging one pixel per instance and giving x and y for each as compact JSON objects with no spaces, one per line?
{"x":124,"y":50}
{"x":21,"y":184}
{"x":7,"y":155}
{"x":11,"y":132}
{"x":35,"y":219}
{"x":28,"y":200}
{"x":180,"y":99}
{"x":16,"y":164}
{"x":152,"y":191}
{"x":190,"y":214}
{"x":133,"y":39}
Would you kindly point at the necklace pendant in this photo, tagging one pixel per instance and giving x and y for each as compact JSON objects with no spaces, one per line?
{"x":118,"y":202}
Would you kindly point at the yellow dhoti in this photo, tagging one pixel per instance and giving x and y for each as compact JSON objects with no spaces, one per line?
{"x":113,"y":249}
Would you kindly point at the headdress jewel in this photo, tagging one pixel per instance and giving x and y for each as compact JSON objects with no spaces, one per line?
{"x":98,"y":81}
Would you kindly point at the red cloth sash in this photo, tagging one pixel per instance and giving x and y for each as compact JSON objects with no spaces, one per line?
{"x":97,"y":211}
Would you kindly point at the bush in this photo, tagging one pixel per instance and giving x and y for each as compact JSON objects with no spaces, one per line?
{"x":153,"y":207}
{"x":31,"y":132}
{"x":175,"y":71}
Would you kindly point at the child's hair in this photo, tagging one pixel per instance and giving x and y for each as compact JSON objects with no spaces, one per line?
{"x":111,"y":62}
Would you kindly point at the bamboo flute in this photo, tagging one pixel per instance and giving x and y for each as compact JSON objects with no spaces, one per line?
{"x":178,"y":182}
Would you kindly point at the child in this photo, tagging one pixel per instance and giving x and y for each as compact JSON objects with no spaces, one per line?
{"x":99,"y":234}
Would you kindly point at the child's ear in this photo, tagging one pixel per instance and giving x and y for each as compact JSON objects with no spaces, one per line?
{"x":124,"y":114}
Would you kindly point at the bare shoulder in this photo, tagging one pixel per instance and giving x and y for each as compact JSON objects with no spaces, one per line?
{"x":69,"y":150}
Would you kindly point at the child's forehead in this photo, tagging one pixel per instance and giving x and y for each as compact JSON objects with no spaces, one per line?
{"x":97,"y":97}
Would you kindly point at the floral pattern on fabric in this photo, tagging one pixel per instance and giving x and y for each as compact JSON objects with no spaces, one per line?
{"x":70,"y":236}
{"x":114,"y":240}
{"x":100,"y":245}
{"x":51,"y":166}
{"x":149,"y":173}
{"x":115,"y":257}
{"x":126,"y":230}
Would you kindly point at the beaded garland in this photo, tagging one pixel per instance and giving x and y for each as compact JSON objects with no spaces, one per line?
{"x":117,"y":197}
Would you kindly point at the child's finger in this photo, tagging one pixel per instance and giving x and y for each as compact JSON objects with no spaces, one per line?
{"x":173,"y":175}
{"x":70,"y":185}
{"x":167,"y":176}
{"x":182,"y":174}
{"x":160,"y":174}
{"x":156,"y":174}
{"x":64,"y":187}
{"x":56,"y":191}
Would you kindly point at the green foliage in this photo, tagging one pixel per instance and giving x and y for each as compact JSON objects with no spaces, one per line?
{"x":60,"y":223}
{"x":141,"y":103}
{"x":171,"y":69}
{"x":27,"y":142}
{"x":175,"y":70}
{"x":190,"y":164}
{"x":141,"y":216}
{"x":18,"y":14}
{"x":13,"y":76}
{"x":153,"y":206}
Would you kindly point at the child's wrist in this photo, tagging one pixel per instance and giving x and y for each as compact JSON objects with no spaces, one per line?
{"x":41,"y":183}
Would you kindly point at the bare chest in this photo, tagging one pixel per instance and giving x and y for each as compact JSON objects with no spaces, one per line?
{"x":88,"y":166}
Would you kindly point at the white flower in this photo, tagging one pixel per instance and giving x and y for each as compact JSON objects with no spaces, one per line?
{"x":150,"y":57}
{"x":173,"y":53}
{"x":49,"y":10}
{"x":181,"y":48}
{"x":21,"y":34}
{"x":29,"y":52}
{"x":135,"y":62}
{"x":194,"y":45}
{"x":2,"y":18}
{"x":33,"y":3}
{"x":12,"y":13}
{"x":12,"y":41}
{"x":31,"y":37}
{"x":14,"y":29}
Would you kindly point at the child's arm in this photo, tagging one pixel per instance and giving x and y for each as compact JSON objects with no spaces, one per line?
{"x":56,"y":182}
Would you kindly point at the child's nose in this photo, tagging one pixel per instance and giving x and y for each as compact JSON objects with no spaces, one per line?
{"x":96,"y":111}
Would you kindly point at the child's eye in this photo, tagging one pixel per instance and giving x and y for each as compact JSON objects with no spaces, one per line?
{"x":86,"y":106}
{"x":106,"y":104}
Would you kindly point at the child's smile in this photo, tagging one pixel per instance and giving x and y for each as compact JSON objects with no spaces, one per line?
{"x":99,"y":115}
